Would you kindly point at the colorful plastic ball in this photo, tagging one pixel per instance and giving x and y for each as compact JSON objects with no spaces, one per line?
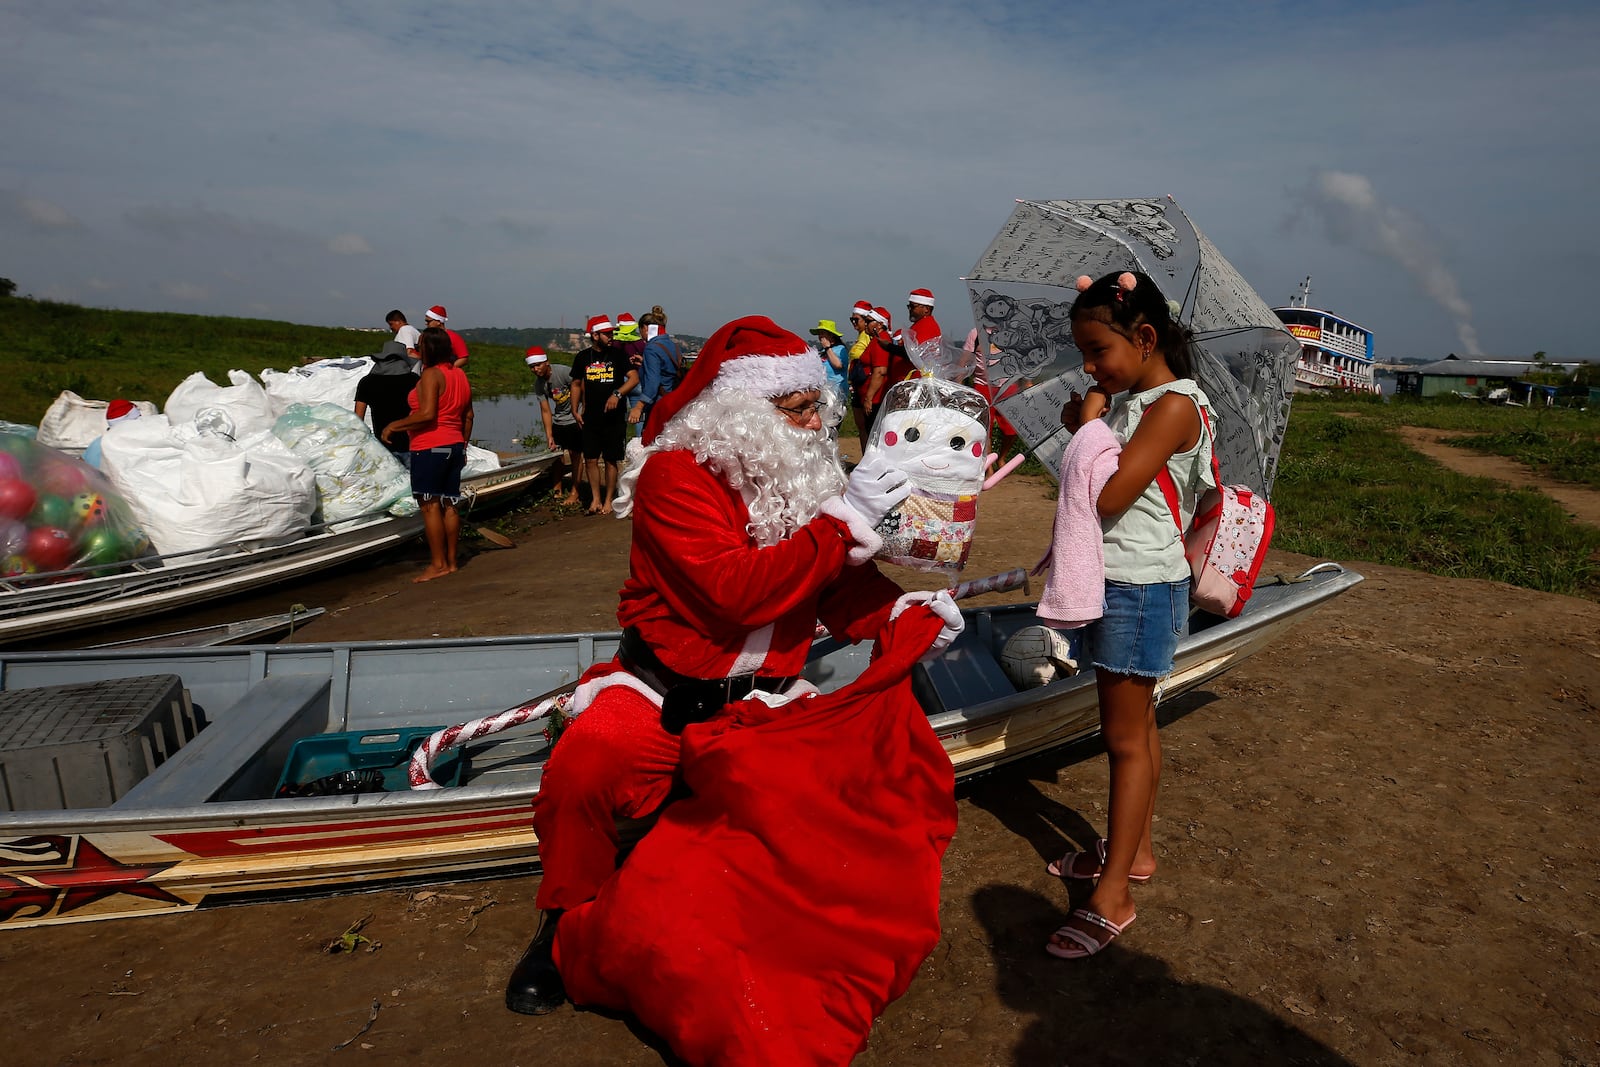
{"x":89,"y":508}
{"x":12,"y":566}
{"x":63,"y":477}
{"x":52,"y":510}
{"x":13,"y":537}
{"x":102,"y":546}
{"x":51,"y":548}
{"x":16,"y":498}
{"x":9,"y":467}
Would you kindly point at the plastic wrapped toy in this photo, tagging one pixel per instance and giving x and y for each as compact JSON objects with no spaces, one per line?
{"x":58,"y":513}
{"x":938,"y":433}
{"x":356,"y":474}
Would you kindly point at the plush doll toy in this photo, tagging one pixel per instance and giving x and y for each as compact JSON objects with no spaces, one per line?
{"x":937,"y":432}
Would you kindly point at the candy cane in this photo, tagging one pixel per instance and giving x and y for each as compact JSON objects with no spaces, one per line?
{"x":995,"y":583}
{"x":442,"y":741}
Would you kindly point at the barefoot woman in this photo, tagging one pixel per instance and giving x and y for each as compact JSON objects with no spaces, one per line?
{"x":439,"y":424}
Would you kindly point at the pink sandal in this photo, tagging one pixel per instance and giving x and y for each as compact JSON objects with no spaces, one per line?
{"x":1067,"y":866}
{"x":1084,"y":943}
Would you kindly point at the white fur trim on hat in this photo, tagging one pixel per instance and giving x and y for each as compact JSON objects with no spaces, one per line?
{"x":867,"y":541}
{"x":769,"y":376}
{"x":535,"y":360}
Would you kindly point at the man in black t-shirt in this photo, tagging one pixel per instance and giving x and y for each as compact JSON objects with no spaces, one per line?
{"x":384,"y":390}
{"x":601,"y":378}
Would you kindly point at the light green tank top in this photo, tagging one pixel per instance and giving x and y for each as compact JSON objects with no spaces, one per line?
{"x":1143,"y":545}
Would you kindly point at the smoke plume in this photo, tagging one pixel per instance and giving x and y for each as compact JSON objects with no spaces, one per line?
{"x":1353,"y":215}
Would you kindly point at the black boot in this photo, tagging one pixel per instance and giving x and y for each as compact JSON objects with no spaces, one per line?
{"x":535,"y":987}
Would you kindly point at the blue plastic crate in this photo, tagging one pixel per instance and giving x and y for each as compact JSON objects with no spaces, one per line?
{"x":388,"y":751}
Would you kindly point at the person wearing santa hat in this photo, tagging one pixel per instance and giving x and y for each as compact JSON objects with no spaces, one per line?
{"x":746,"y":532}
{"x":118,"y":412}
{"x":552,"y":385}
{"x":438,"y":316}
{"x":923,"y":332}
{"x":601,"y":380}
{"x":860,"y":315}
{"x":875,"y":361}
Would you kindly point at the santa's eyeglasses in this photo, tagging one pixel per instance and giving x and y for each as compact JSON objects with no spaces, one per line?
{"x":802,"y":412}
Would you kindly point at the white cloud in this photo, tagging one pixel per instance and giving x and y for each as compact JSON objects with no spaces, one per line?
{"x":46,"y":215}
{"x":349,"y":244}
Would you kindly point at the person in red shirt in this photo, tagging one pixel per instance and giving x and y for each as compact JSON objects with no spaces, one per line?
{"x":438,"y":316}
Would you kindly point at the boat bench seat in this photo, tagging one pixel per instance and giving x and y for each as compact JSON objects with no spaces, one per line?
{"x":239,"y":755}
{"x":965,"y":674}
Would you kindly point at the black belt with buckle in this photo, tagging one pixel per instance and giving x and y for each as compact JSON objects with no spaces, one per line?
{"x":684,"y":699}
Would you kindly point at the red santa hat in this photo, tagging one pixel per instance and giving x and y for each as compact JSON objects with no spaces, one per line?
{"x":920,"y":296}
{"x":882,"y":315}
{"x":599,"y":324}
{"x":862,"y":308}
{"x":752,"y":355}
{"x":437,"y":312}
{"x":534,"y":356}
{"x":625,"y":319}
{"x":121,"y":411}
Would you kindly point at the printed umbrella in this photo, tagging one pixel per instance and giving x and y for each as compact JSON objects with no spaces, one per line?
{"x":1022,"y":291}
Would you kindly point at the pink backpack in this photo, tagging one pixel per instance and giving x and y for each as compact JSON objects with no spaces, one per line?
{"x":1227,"y":541}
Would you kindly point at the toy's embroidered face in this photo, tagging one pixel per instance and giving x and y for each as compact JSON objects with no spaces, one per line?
{"x":939,"y":449}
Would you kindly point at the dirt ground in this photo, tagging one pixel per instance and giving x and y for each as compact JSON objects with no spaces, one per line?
{"x":1375,"y":840}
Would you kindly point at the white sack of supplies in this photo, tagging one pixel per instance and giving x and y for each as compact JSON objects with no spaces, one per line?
{"x":356,"y":474}
{"x":480,"y":461}
{"x":71,"y":423}
{"x":192,"y":491}
{"x":239,"y":411}
{"x":328,"y":382}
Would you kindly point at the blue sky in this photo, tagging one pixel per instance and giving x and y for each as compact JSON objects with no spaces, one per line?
{"x":528,"y":163}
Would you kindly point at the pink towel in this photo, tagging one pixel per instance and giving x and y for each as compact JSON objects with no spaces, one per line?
{"x":1076,"y":591}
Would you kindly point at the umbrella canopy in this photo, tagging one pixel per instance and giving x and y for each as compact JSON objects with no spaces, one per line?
{"x":1022,"y":293}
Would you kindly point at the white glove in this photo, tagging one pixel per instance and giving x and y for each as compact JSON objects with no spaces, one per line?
{"x":941,"y":604}
{"x":875,"y":487}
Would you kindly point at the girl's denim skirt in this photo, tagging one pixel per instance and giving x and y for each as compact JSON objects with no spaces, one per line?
{"x":1139,"y":632}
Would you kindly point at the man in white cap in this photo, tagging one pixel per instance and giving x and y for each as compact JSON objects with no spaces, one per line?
{"x":552,"y":385}
{"x":746,"y":532}
{"x":438,"y":316}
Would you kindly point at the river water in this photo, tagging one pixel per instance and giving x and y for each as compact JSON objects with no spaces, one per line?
{"x":501,"y":422}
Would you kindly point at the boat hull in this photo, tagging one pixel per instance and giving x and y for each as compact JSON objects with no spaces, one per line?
{"x":76,"y":866}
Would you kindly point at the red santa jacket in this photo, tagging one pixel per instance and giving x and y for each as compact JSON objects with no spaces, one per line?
{"x":710,"y":603}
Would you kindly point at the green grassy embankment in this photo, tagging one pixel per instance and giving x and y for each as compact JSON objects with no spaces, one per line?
{"x":140,"y":355}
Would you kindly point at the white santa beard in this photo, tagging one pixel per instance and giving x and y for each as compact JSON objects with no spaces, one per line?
{"x":783,"y":472}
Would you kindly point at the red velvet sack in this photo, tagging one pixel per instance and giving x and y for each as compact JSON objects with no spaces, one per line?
{"x":770,"y":917}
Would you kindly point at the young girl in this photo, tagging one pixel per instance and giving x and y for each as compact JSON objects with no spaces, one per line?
{"x":1137,"y":353}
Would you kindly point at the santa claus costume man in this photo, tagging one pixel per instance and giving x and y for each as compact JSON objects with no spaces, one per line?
{"x":746,"y":532}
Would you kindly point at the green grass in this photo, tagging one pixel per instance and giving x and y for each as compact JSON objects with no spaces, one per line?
{"x":101,"y":354}
{"x":1349,"y":488}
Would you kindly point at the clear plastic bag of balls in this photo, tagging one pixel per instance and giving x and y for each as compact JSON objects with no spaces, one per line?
{"x":937,"y":432}
{"x":58,"y":513}
{"x":356,"y":474}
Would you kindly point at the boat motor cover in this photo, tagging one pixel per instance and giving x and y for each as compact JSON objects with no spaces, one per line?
{"x":772,"y":915}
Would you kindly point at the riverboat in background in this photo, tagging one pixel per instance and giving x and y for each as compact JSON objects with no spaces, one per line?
{"x":1335,"y":353}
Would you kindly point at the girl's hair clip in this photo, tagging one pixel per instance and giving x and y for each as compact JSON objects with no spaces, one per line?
{"x":1083,"y":283}
{"x":1127,"y":281}
{"x":1174,"y":309}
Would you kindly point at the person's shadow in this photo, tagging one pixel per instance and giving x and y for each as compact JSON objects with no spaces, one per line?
{"x":1121,"y":1007}
{"x":1010,"y":794}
